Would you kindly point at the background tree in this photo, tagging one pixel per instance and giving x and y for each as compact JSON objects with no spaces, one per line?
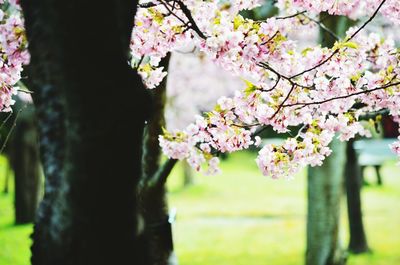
{"x":23,"y":152}
{"x":7,"y":180}
{"x":325,"y":184}
{"x":358,"y":239}
{"x":19,"y":143}
{"x":324,"y":193}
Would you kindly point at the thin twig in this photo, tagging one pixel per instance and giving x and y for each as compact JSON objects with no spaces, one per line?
{"x":270,"y":39}
{"x":283,"y":102}
{"x":323,"y":27}
{"x":161,"y":176}
{"x":12,"y":128}
{"x":292,"y":16}
{"x":368,"y":21}
{"x":338,"y":49}
{"x":6,"y":119}
{"x":342,"y":97}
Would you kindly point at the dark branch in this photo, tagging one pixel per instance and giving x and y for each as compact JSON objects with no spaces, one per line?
{"x":323,"y":27}
{"x":284,"y":101}
{"x":292,"y":16}
{"x":338,"y":49}
{"x":342,"y":97}
{"x":270,"y":39}
{"x":161,"y":176}
{"x":279,"y":75}
{"x":368,"y":21}
{"x":188,"y":15}
{"x":12,"y":127}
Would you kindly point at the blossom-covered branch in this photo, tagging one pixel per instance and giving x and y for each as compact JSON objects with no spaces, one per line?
{"x":13,"y":52}
{"x":280,"y":78}
{"x":314,"y":88}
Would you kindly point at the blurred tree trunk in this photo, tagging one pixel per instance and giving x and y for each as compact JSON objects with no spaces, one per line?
{"x":152,"y":193}
{"x":188,"y":177}
{"x":324,"y":192}
{"x":7,"y":178}
{"x":7,"y":122}
{"x":24,"y":159}
{"x":91,"y":109}
{"x":358,"y":240}
{"x":325,"y":185}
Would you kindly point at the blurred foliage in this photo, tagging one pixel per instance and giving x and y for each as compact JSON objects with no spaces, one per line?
{"x":260,"y":13}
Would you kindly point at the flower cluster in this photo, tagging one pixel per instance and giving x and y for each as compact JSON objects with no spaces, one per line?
{"x":351,"y":8}
{"x":13,"y":52}
{"x":322,"y":90}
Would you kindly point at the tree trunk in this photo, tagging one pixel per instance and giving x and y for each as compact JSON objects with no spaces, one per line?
{"x":92,"y":151}
{"x":324,"y":193}
{"x":153,"y":201}
{"x":358,"y":241}
{"x":25,"y":161}
{"x":378,"y":175}
{"x":7,"y":178}
{"x":325,"y":185}
{"x":188,"y":178}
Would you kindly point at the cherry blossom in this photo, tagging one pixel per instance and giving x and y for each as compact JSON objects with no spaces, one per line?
{"x":13,"y":52}
{"x":325,"y":91}
{"x":313,"y":92}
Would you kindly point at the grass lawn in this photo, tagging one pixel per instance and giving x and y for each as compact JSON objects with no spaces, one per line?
{"x":243,"y":218}
{"x":14,"y":240}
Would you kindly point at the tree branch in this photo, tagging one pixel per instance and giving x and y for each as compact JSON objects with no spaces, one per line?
{"x":322,"y":26}
{"x":303,"y":104}
{"x":338,"y":49}
{"x":161,"y":176}
{"x":185,"y":10}
{"x":188,"y":15}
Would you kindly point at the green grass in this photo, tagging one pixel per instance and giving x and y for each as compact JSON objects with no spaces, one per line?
{"x":243,"y":218}
{"x":14,"y":239}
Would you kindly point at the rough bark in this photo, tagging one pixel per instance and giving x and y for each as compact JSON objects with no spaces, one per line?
{"x":324,"y":192}
{"x":152,"y":193}
{"x":24,"y":159}
{"x":358,"y":240}
{"x":325,"y":185}
{"x":91,"y":110}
